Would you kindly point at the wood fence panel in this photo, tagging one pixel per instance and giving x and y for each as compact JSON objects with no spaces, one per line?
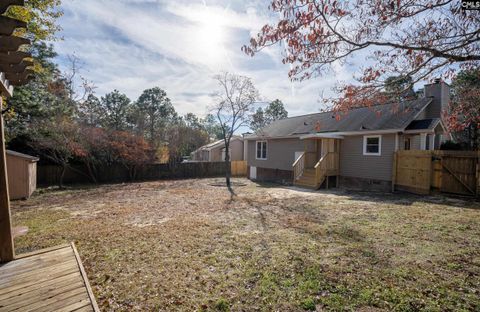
{"x":437,"y":174}
{"x":478,"y":174}
{"x":458,"y":172}
{"x":448,"y":171}
{"x":49,"y":174}
{"x":413,"y":171}
{"x":239,"y":168}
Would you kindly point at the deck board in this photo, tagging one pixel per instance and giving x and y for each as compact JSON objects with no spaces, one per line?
{"x":48,"y":280}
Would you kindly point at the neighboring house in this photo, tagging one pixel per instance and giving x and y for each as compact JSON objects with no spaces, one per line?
{"x":216,"y":151}
{"x":356,"y":150}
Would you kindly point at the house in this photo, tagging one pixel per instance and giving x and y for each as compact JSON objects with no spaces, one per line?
{"x":355,"y":151}
{"x":216,"y":151}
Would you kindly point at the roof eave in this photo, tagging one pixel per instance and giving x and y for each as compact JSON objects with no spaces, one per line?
{"x":364,"y":132}
{"x":419,"y":131}
{"x":331,"y":135}
{"x":271,"y":137}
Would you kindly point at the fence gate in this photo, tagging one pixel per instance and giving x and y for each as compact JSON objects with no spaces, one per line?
{"x":458,"y":172}
{"x":447,"y":171}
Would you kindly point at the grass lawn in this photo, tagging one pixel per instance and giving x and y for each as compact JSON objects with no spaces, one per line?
{"x":184,"y":246}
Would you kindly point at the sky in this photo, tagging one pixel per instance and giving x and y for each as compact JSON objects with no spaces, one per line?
{"x":132,"y":45}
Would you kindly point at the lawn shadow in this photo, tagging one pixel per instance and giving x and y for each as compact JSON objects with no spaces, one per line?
{"x":397,"y":198}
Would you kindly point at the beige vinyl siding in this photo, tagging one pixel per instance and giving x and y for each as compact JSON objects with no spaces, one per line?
{"x":414,"y":141}
{"x":216,"y":154}
{"x":354,"y":164}
{"x":236,"y":150}
{"x":280,"y":153}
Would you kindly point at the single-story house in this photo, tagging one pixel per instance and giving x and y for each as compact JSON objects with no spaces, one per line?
{"x":354,"y":150}
{"x":216,"y":151}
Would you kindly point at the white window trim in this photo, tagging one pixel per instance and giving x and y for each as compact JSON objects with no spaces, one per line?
{"x":256,"y":150}
{"x":365,"y":137}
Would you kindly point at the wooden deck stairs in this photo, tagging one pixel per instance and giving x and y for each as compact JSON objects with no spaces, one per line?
{"x":314,"y":178}
{"x":308,"y":179}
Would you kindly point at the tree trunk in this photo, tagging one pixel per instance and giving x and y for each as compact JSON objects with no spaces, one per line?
{"x":62,"y":175}
{"x":91,"y":173}
{"x":132,"y":172}
{"x":228,"y":168}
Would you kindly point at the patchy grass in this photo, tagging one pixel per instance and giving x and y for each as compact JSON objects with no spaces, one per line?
{"x":185,"y":246}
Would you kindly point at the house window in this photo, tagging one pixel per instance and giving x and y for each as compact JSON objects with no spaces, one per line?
{"x":261,"y":150}
{"x":372,"y":145}
{"x":407,"y":144}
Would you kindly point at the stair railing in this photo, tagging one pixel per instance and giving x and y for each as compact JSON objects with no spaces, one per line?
{"x":299,"y":167}
{"x":321,"y":169}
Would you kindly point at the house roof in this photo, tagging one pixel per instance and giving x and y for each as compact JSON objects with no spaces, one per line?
{"x":215,"y":144}
{"x":381,"y":117}
{"x":24,"y":156}
{"x":423,"y":124}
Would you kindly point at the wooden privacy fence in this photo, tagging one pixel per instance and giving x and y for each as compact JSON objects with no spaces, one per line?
{"x":50,"y":174}
{"x":419,"y":172}
{"x":239,"y":168}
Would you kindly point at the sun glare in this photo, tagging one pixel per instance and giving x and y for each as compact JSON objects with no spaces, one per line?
{"x":210,"y":36}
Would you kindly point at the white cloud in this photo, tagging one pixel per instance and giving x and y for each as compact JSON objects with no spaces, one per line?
{"x":131,"y":45}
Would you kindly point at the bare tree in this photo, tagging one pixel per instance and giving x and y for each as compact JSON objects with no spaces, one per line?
{"x":234,"y":104}
{"x":72,"y":76}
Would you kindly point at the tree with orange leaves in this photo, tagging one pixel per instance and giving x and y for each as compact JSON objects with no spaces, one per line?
{"x":58,"y":141}
{"x":420,"y":39}
{"x":463,"y":117}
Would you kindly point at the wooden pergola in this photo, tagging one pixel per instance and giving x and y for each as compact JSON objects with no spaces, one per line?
{"x":51,"y":279}
{"x":14,"y":71}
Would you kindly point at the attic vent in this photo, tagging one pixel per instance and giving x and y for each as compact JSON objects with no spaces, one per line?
{"x":305,"y":123}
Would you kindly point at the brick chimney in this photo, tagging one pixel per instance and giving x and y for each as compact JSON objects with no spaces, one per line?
{"x":439,"y":92}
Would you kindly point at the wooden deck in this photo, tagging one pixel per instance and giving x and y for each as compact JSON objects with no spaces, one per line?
{"x":48,"y":280}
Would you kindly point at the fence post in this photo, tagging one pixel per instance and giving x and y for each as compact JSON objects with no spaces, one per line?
{"x":7,"y":251}
{"x":478,"y":173}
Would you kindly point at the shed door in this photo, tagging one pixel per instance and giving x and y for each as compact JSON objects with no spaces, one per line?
{"x":253,"y":173}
